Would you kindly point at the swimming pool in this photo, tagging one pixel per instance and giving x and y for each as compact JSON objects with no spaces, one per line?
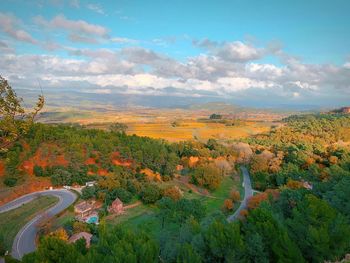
{"x":92,"y":220}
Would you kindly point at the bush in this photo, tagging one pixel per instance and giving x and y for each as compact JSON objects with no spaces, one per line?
{"x":88,"y":192}
{"x":206,"y":175}
{"x":10,"y":181}
{"x":38,"y":171}
{"x":150,"y":194}
{"x":228,"y":205}
{"x":173,"y":192}
{"x":61,"y":177}
{"x":124,"y":195}
{"x":235,"y":196}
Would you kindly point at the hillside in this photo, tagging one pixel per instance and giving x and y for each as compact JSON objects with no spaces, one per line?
{"x":65,"y":155}
{"x":179,"y":192}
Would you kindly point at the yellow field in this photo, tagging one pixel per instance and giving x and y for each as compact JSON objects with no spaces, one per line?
{"x":196,"y":130}
{"x":159,"y":123}
{"x":162,"y":130}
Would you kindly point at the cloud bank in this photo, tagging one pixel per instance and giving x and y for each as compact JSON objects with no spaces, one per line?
{"x":234,"y":70}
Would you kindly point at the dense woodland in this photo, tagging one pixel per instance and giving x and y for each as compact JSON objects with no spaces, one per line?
{"x":90,"y":154}
{"x":302,"y":213}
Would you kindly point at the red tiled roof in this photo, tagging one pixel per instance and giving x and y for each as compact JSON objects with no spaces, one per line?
{"x":117,"y":202}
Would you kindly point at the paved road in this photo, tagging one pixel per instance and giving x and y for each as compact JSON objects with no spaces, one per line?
{"x":24,"y":242}
{"x":248,"y":192}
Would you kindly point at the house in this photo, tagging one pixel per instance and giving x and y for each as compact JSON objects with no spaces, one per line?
{"x":345,"y":109}
{"x":116,"y":207}
{"x":84,"y":208}
{"x":87,"y":236}
{"x":307,"y":185}
{"x":89,"y":184}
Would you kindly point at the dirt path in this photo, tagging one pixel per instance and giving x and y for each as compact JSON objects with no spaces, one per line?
{"x":195,"y":189}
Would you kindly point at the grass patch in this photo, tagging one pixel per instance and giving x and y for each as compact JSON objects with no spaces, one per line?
{"x":240,"y":187}
{"x":219,"y":195}
{"x":142,"y":217}
{"x":132,"y":215}
{"x":12,"y":221}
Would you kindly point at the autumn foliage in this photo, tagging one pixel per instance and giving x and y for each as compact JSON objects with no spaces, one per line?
{"x":235,"y":196}
{"x":228,"y":205}
{"x":60,"y":234}
{"x":173,"y":192}
{"x":256,"y":200}
{"x":244,"y":213}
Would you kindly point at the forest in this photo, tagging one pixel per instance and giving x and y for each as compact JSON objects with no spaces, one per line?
{"x":300,"y":213}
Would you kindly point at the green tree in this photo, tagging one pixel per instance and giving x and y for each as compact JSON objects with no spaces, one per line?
{"x":14,"y":121}
{"x":80,"y":246}
{"x":320,"y":232}
{"x":223,"y":242}
{"x":88,"y":192}
{"x":255,"y":248}
{"x":186,"y":254}
{"x":52,"y":249}
{"x":38,"y":170}
{"x":275,"y":237}
{"x":166,"y":209}
{"x":215,"y":116}
{"x":118,"y":127}
{"x":120,"y":245}
{"x":150,"y":194}
{"x":61,"y":176}
{"x":207,"y":175}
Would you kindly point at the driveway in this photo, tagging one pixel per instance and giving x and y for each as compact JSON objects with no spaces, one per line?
{"x":248,"y":192}
{"x":24,"y":242}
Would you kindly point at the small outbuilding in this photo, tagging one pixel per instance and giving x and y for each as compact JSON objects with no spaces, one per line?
{"x":116,"y":207}
{"x":87,"y":236}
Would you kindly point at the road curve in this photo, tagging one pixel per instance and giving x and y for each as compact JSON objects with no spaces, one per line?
{"x":248,"y":192}
{"x":24,"y":242}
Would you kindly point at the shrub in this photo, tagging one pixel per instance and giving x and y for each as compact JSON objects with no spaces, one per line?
{"x":228,"y":205}
{"x":235,"y":196}
{"x":88,"y":192}
{"x":150,"y":194}
{"x":10,"y":181}
{"x":38,"y":171}
{"x":173,"y":192}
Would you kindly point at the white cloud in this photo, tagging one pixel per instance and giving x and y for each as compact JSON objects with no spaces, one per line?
{"x":96,"y":8}
{"x":76,"y":37}
{"x":78,"y":30}
{"x":136,"y":70}
{"x":10,"y":25}
{"x":304,"y":85}
{"x":269,"y":70}
{"x":124,"y":40}
{"x":241,"y":83}
{"x":238,"y":52}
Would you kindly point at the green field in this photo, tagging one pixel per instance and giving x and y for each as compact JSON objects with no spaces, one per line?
{"x":143,"y":217}
{"x":12,"y":221}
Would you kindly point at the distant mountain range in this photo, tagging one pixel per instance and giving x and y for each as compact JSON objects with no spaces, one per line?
{"x":99,"y":102}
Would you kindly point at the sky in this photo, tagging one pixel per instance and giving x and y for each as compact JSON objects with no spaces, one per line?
{"x":265,"y":53}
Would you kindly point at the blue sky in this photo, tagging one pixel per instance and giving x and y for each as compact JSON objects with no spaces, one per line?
{"x":293,"y":50}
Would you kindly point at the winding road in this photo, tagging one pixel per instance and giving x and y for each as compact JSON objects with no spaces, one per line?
{"x":24,"y":242}
{"x":248,"y":192}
